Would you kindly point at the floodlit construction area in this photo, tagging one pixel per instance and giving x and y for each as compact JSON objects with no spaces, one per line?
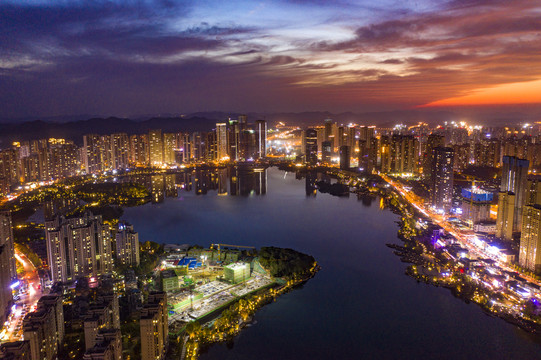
{"x":208,"y":297}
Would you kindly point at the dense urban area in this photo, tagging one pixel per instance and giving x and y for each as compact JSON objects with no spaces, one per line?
{"x":81,"y":284}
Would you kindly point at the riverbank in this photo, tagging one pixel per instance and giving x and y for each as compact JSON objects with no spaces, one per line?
{"x":239,"y":314}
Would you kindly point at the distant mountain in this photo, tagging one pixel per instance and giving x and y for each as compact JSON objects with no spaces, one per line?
{"x":75,"y":130}
{"x":204,"y":121}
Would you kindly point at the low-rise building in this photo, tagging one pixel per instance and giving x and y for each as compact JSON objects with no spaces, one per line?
{"x":237,"y":272}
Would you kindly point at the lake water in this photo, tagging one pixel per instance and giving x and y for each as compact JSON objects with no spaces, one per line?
{"x":360,"y":305}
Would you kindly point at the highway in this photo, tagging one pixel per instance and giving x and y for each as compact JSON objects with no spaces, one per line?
{"x":418,"y":203}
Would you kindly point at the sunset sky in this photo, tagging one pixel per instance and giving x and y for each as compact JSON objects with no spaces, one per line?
{"x":143,"y":57}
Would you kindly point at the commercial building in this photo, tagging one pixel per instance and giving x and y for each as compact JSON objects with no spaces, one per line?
{"x":441,"y":188}
{"x":326,"y":152}
{"x":261,"y":138}
{"x":310,"y":149}
{"x":345,"y":156}
{"x":475,"y":205}
{"x":78,"y":246}
{"x":221,"y":142}
{"x":530,"y":240}
{"x":237,"y":272}
{"x":154,"y":327}
{"x":127,"y":244}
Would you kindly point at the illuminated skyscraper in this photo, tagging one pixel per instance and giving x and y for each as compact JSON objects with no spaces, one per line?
{"x":345,"y":155}
{"x":127,"y":244}
{"x":530,"y":240}
{"x":261,"y":138}
{"x":442,"y":178}
{"x":326,"y":152}
{"x":154,"y":327}
{"x":221,"y":141}
{"x":104,"y":314}
{"x":155,"y":147}
{"x":78,"y":246}
{"x":513,"y":186}
{"x":120,"y":146}
{"x":8,"y":270}
{"x":169,"y":146}
{"x":139,"y":149}
{"x":404,"y":154}
{"x":385,"y":154}
{"x":44,"y":328}
{"x":330,"y":132}
{"x":433,"y":141}
{"x":92,"y":153}
{"x":310,"y":151}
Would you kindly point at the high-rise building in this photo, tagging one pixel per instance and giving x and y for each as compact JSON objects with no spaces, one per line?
{"x":532,"y":193}
{"x":514,"y":178}
{"x":221,"y":142}
{"x":17,"y":350}
{"x":155,"y":148}
{"x":530,"y":239}
{"x":475,"y":205}
{"x":93,"y":153}
{"x":44,"y":328}
{"x":433,"y":141}
{"x":127,"y":244}
{"x":385,"y":154}
{"x":345,"y":156}
{"x":169,"y":146}
{"x":261,"y":138}
{"x":154,"y":327}
{"x":326,"y":152}
{"x":103,"y":315}
{"x":8,"y":271}
{"x":442,"y":178}
{"x":404,"y":154}
{"x":139,"y":150}
{"x":9,"y":174}
{"x":330,"y":132}
{"x":108,"y":346}
{"x":506,"y":215}
{"x":120,"y":149}
{"x":78,"y":246}
{"x":310,"y":150}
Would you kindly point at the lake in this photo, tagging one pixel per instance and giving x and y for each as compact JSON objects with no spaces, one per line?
{"x":360,"y":305}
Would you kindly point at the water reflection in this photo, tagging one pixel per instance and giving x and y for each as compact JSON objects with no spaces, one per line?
{"x":233,"y":181}
{"x":311,"y":188}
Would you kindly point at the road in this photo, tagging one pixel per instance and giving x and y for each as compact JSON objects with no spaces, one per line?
{"x":418,"y":203}
{"x":27,"y":302}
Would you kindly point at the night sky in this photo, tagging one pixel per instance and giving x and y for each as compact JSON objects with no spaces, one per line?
{"x":142,"y":57}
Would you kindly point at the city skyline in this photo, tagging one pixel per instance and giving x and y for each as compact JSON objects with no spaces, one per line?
{"x":116,"y":58}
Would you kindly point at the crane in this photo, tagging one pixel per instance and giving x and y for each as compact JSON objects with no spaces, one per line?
{"x":227,"y":245}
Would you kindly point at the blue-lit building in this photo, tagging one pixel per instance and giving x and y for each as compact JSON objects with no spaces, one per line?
{"x":476,"y":194}
{"x":476,"y":205}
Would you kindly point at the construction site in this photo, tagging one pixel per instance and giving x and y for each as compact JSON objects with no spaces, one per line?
{"x":200,"y":282}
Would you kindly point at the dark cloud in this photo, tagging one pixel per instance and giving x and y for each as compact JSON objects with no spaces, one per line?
{"x":127,"y":58}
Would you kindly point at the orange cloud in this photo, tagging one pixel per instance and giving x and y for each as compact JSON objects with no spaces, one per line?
{"x":528,"y":92}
